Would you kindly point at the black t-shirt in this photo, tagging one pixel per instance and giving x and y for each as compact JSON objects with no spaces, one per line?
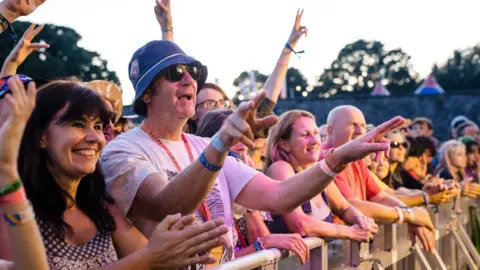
{"x":409,"y":181}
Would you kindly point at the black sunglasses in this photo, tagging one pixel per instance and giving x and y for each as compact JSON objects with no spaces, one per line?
{"x":175,"y":73}
{"x":395,"y":144}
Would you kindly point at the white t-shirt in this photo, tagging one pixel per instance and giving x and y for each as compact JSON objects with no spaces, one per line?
{"x":130,"y":158}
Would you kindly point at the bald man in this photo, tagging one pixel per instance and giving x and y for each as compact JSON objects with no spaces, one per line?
{"x":344,"y":124}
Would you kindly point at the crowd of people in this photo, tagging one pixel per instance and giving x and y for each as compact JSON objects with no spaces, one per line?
{"x":201,"y":182}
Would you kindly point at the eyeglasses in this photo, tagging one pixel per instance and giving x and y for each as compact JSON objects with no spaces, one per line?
{"x":395,"y":144}
{"x":174,"y":73}
{"x":212,"y":104}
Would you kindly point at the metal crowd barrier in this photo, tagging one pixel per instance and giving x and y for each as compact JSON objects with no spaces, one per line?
{"x":391,"y":248}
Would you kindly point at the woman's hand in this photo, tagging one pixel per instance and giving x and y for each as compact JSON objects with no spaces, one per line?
{"x":242,"y":124}
{"x":355,"y":232}
{"x":174,"y":245}
{"x":292,"y":242}
{"x":298,"y":30}
{"x":372,"y":142}
{"x":23,"y":49}
{"x":20,"y":104}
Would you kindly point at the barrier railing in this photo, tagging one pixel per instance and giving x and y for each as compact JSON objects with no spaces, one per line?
{"x":391,"y":248}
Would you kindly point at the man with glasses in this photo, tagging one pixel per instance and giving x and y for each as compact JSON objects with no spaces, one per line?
{"x":210,"y":97}
{"x":346,"y":123}
{"x":156,"y":169}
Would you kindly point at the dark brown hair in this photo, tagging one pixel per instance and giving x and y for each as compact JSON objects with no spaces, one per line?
{"x":47,"y":197}
{"x":212,"y":121}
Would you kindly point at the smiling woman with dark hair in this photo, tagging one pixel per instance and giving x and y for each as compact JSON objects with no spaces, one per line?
{"x":78,"y":220}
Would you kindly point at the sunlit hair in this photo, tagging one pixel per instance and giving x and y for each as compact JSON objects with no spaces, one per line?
{"x":216,"y":88}
{"x":445,"y":163}
{"x":282,"y":131}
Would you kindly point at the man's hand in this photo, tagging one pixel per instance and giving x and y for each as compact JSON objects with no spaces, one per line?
{"x":372,"y":142}
{"x":422,"y":218}
{"x":298,"y":30}
{"x":174,"y":245}
{"x":367,"y":223}
{"x":242,"y":124}
{"x":426,"y":237}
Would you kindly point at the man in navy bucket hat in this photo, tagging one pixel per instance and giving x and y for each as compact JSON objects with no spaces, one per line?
{"x":157,"y":170}
{"x":154,"y":59}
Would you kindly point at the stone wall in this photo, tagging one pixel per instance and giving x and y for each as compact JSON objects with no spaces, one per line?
{"x":440,"y":109}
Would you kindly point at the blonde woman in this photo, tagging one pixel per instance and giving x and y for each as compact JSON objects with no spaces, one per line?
{"x":453,"y":161}
{"x":294,"y":146}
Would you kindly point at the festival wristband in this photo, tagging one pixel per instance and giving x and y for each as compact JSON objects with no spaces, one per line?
{"x":400,"y":215}
{"x":258,"y":244}
{"x":323,"y":165}
{"x":208,"y":165}
{"x":13,"y":198}
{"x":11,"y":187}
{"x":333,"y":163}
{"x":20,"y":217}
{"x":218,"y":144}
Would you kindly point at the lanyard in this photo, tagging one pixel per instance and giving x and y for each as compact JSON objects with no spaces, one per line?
{"x":203,"y":208}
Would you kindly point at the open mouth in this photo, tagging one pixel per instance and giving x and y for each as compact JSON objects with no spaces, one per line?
{"x":185,"y":97}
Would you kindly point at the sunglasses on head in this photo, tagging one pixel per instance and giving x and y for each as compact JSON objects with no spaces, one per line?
{"x":175,"y":73}
{"x":395,"y":144}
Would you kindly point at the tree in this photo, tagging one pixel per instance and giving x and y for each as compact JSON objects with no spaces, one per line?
{"x":297,"y":84}
{"x":63,"y":59}
{"x":461,"y":72}
{"x":360,"y":64}
{"x":247,"y":89}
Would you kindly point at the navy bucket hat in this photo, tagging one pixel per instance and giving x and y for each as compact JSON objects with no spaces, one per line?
{"x":148,"y":61}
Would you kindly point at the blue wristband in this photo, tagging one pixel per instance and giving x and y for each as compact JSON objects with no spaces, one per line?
{"x":258,"y":246}
{"x":208,"y":165}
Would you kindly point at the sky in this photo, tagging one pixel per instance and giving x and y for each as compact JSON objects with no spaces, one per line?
{"x":231,"y":36}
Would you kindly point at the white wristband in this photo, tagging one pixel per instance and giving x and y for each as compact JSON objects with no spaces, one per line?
{"x":323,"y":165}
{"x":218,"y":144}
{"x":400,"y":215}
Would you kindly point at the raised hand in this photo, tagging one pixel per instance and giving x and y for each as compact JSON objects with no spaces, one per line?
{"x":164,"y":14}
{"x":176,"y":242}
{"x":23,"y":49}
{"x":298,"y":30}
{"x":242,"y":124}
{"x":372,"y":142}
{"x":20,"y":104}
{"x":21,"y":7}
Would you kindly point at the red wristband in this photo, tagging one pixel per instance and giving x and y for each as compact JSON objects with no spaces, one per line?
{"x":13,"y":198}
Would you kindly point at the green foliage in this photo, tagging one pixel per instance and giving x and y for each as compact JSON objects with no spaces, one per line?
{"x":461,"y":72}
{"x":63,"y":59}
{"x":360,"y":64}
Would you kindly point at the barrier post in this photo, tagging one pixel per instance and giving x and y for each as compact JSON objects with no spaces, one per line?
{"x":319,"y":258}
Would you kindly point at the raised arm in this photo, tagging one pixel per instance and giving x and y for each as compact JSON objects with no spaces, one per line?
{"x":283,"y":197}
{"x":156,"y":197}
{"x":24,"y":236}
{"x":274,"y":83}
{"x":163,"y":13}
{"x":22,"y":50}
